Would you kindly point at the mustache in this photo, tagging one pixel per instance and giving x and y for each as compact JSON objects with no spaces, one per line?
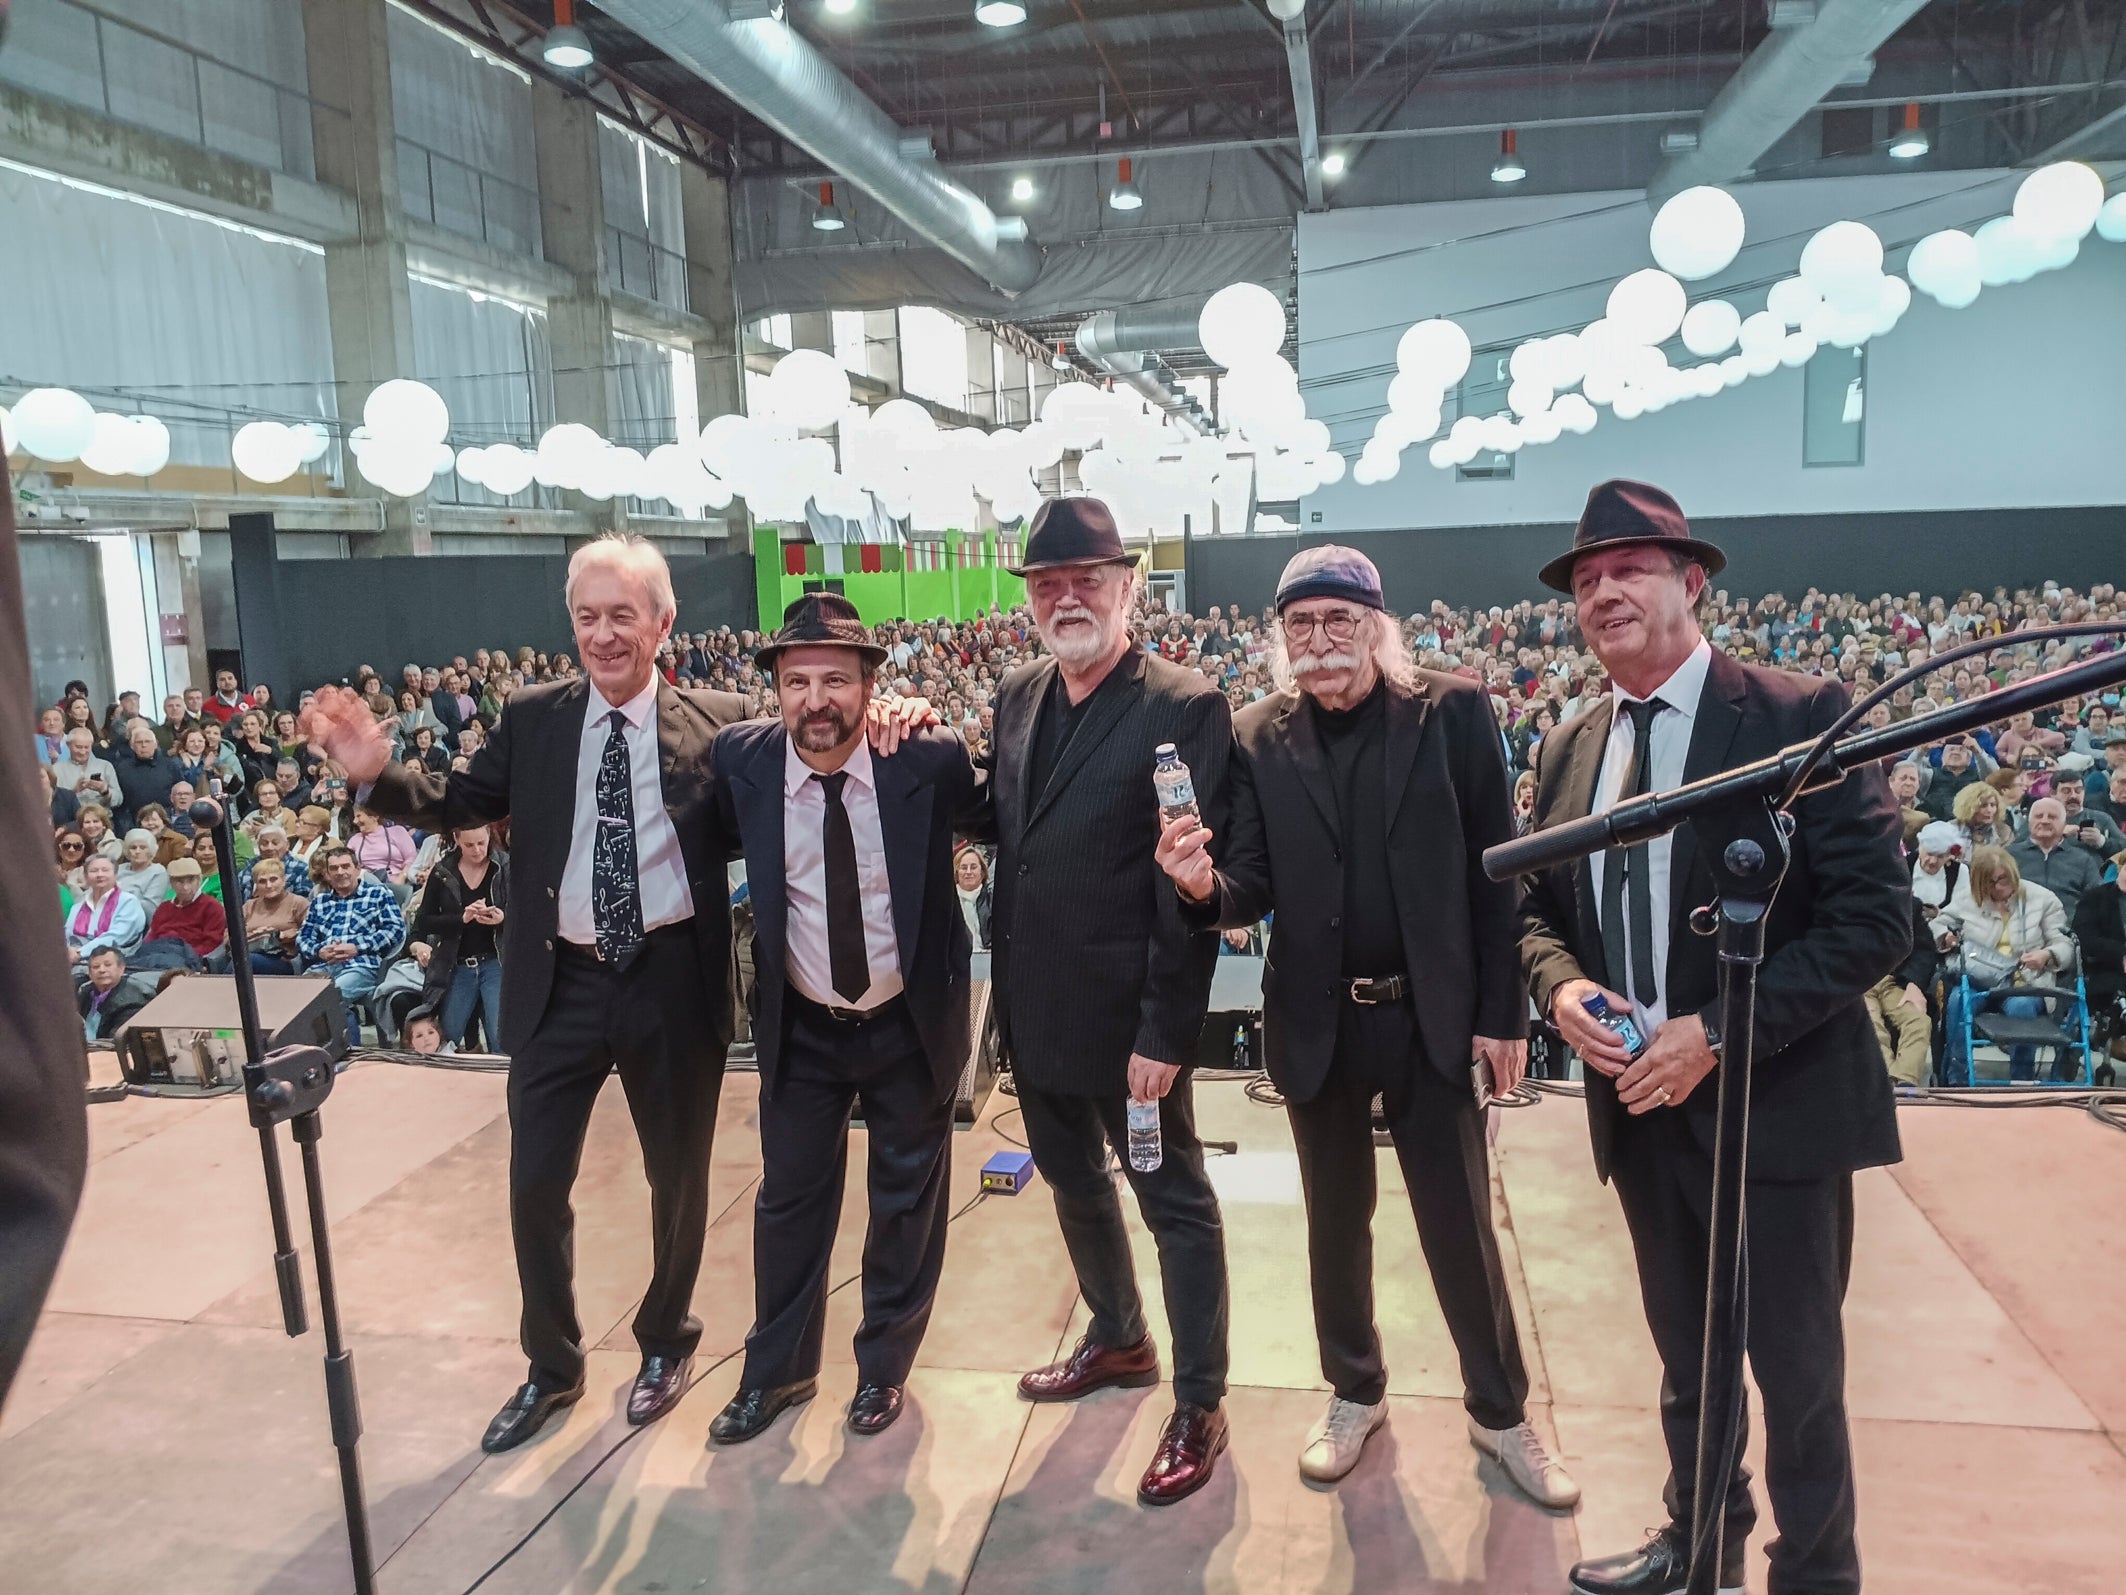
{"x":1313,"y":664}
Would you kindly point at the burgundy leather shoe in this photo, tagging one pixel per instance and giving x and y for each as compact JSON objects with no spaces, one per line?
{"x":1090,"y":1367}
{"x":658,"y":1387}
{"x":1188,"y":1451}
{"x":873,"y":1408}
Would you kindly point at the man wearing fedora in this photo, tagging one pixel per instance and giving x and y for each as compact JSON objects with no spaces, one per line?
{"x":1363,"y":795}
{"x":860,"y":959}
{"x":1102,"y":984}
{"x":1616,"y":924}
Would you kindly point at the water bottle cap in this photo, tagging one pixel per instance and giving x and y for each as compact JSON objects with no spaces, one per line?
{"x":1166,"y":750}
{"x":1597,"y":1005}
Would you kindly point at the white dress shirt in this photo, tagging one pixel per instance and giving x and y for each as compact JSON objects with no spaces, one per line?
{"x":1670,"y":746}
{"x":804,"y":858}
{"x":660,"y":869}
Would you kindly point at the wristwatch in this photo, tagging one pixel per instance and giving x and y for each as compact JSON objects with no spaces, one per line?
{"x":1714,"y":1041}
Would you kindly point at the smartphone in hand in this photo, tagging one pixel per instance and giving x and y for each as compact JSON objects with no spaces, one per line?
{"x":1481,"y":1081}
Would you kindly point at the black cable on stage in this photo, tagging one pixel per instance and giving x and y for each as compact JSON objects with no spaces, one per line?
{"x":632,"y":1435}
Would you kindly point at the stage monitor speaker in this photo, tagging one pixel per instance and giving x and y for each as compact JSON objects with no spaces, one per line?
{"x":192,"y":1036}
{"x":979,"y":1078}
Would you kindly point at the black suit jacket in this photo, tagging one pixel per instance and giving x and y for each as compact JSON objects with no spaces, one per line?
{"x":1820,"y":1100}
{"x":1093,"y":959}
{"x":527,"y":770}
{"x":921,"y":789}
{"x":1447,"y":801}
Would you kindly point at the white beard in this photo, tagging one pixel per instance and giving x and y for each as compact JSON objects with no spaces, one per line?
{"x":1077,"y":646}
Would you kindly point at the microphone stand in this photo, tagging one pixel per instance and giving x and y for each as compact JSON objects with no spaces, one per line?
{"x":1742,"y":826}
{"x":290,"y":1086}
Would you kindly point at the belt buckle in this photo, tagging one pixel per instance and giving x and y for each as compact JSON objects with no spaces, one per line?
{"x":1362,"y":992}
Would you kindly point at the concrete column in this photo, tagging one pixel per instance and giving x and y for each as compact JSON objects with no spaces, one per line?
{"x":981,"y":375}
{"x":368,"y":305}
{"x":882,"y":347}
{"x":580,"y":324}
{"x":719,"y":371}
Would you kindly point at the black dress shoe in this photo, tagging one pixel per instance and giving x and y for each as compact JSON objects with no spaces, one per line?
{"x":525,"y":1414}
{"x":873,"y":1408}
{"x":751,"y":1411}
{"x":658,"y":1387}
{"x":1659,"y":1567}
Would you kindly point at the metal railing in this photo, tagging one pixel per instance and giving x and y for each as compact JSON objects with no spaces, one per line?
{"x":461,"y":198}
{"x":136,"y":76}
{"x":646,"y":270}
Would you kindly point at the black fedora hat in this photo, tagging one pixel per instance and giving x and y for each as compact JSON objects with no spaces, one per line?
{"x":1625,"y":514}
{"x":1072,"y":531}
{"x":822,"y":620}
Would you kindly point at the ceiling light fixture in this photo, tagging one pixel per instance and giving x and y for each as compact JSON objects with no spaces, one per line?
{"x":840,"y":8}
{"x":999,"y":13}
{"x":1059,"y":360}
{"x":825,"y":218}
{"x":1911,"y":141}
{"x":1508,"y":167}
{"x":1022,"y":189}
{"x":566,"y":45}
{"x":1124,"y":195}
{"x":1333,"y":163}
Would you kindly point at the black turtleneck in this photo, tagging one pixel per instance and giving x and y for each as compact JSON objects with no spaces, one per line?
{"x":1355,"y":742}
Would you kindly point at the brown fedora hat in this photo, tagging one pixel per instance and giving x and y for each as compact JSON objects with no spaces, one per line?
{"x":1625,"y":514}
{"x":822,"y":620}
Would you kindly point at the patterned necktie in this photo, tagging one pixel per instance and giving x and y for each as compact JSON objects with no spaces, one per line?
{"x":616,"y":895}
{"x":848,"y":961}
{"x":1632,"y":864}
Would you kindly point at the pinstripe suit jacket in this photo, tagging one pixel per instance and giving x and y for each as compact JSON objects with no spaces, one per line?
{"x":1091,"y":956}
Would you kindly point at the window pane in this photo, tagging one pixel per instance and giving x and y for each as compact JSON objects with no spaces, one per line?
{"x":1834,"y":389}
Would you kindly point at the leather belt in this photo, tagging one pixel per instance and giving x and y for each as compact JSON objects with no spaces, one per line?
{"x":1378,"y":989}
{"x":848,"y":1016}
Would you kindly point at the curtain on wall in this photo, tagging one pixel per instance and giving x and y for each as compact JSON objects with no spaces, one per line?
{"x":464,"y":120}
{"x":493,"y":364}
{"x":645,"y":238}
{"x":143,"y":307}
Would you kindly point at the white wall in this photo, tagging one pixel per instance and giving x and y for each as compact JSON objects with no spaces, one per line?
{"x":2019,"y":400}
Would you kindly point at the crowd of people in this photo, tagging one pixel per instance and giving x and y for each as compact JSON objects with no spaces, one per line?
{"x":2032,"y":808}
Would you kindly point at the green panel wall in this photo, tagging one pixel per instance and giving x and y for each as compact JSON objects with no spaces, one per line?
{"x":957,"y":592}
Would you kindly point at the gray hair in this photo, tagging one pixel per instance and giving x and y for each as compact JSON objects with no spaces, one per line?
{"x":1390,"y":653}
{"x":634,"y":555}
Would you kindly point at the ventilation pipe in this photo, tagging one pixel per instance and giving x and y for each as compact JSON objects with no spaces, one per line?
{"x":1784,"y":79}
{"x":766,"y":67}
{"x":1124,"y":344}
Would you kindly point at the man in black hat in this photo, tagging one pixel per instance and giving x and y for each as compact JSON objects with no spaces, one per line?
{"x":1614,"y":926}
{"x":1364,"y":793}
{"x":860,"y":959}
{"x":1102,"y":983}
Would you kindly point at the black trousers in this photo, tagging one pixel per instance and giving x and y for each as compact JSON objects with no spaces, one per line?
{"x":1069,"y":1137}
{"x":651,"y":1022}
{"x":1799,"y":1255}
{"x":1439,"y":1140}
{"x":829,"y":1066}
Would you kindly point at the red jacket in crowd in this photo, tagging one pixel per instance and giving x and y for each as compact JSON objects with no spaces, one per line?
{"x":199,"y":924}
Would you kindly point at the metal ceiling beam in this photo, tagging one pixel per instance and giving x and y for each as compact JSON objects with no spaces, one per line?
{"x":2082,"y":135}
{"x":1299,"y":57}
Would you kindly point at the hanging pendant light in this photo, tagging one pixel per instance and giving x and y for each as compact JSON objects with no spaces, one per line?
{"x":1911,"y":141}
{"x":566,"y":46}
{"x":1124,"y":195}
{"x":1508,"y":167}
{"x":825,"y":218}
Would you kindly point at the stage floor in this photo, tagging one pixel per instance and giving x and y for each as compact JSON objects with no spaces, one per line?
{"x":166,"y":1436}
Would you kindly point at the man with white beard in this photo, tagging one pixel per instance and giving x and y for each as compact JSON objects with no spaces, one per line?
{"x":1362,"y":796}
{"x":1101,"y":983}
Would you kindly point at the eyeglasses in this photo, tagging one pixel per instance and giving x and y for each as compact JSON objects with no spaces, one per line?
{"x":1341,"y":626}
{"x":70,"y":847}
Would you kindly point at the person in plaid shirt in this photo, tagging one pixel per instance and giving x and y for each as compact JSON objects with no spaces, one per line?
{"x":352,"y":923}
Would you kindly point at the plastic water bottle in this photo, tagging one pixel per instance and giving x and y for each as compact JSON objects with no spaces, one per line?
{"x":1175,"y":786}
{"x":1625,"y":1027}
{"x":1145,"y":1153}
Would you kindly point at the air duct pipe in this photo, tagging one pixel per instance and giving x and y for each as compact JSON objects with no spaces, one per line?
{"x":1784,"y":79}
{"x":766,"y":67}
{"x":1123,"y":342}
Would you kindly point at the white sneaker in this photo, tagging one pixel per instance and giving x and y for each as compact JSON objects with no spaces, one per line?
{"x":1520,"y":1451}
{"x":1335,"y":1444}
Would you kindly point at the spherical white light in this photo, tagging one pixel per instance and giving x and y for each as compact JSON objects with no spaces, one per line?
{"x":1442,"y":455}
{"x":472,"y":466}
{"x":1711,"y":327}
{"x":1438,"y":350}
{"x":1629,"y":406}
{"x":1764,"y":330}
{"x":1498,"y":433}
{"x":1707,"y":380}
{"x":2055,"y":251}
{"x":315,"y":440}
{"x":1526,"y":363}
{"x":1529,"y":397}
{"x":1790,"y":299}
{"x":1734,"y":371}
{"x":1401,"y":428}
{"x":111,"y":450}
{"x":1798,"y":350}
{"x":1542,"y":427}
{"x":1240,"y":322}
{"x":403,"y":408}
{"x":1944,"y":261}
{"x":1647,"y":306}
{"x":267,"y":451}
{"x":506,"y":469}
{"x":2111,"y":220}
{"x":1762,"y":361}
{"x":2062,"y":200}
{"x":566,"y":452}
{"x":1602,"y":385}
{"x":808,"y":389}
{"x":398,"y":467}
{"x":1697,"y":233}
{"x":1841,"y":255}
{"x":1363,"y":474}
{"x":1564,"y":360}
{"x":1575,"y":413}
{"x":54,"y":424}
{"x":151,"y":446}
{"x":2007,"y":252}
{"x":1895,"y":301}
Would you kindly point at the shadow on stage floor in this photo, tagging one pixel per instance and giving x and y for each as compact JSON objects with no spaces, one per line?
{"x":165,"y":1435}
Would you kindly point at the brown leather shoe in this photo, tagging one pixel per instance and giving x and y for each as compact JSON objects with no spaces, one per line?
{"x":1090,"y":1367}
{"x":1188,"y":1451}
{"x":658,"y":1387}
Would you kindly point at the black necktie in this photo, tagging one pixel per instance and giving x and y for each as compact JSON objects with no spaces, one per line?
{"x":616,"y":894}
{"x":1633,"y":863}
{"x":848,"y":963}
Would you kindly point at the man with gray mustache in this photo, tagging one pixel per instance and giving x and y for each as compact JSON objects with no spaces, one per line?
{"x":1362,"y":795}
